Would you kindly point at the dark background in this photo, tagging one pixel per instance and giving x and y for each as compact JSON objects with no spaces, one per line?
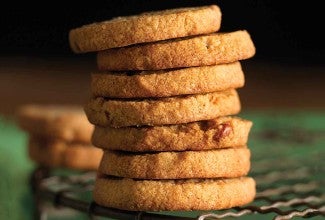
{"x":281,"y":31}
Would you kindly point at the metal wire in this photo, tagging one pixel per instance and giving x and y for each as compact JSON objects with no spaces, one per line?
{"x":286,"y":188}
{"x":63,"y":191}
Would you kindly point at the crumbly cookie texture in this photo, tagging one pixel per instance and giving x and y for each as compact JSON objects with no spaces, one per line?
{"x":167,"y":195}
{"x":57,"y":153}
{"x":174,"y":110}
{"x":68,"y":123}
{"x":225,"y":163}
{"x":222,"y":132}
{"x":203,"y":50}
{"x":146,"y":27}
{"x":161,"y":83}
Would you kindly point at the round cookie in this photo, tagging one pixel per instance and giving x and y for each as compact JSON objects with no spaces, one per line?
{"x":203,"y":50}
{"x":146,"y":27}
{"x":222,"y":132}
{"x":168,"y":195}
{"x":185,"y":81}
{"x":221,"y":163}
{"x":68,"y":123}
{"x":56,"y":153}
{"x":174,"y":110}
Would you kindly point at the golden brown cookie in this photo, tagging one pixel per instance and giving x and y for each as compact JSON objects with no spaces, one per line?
{"x":175,"y":110}
{"x":56,"y":153}
{"x":68,"y":123}
{"x":167,"y":195}
{"x":217,"y":133}
{"x":204,"y":50}
{"x":146,"y":27}
{"x":168,"y":83}
{"x":225,"y":163}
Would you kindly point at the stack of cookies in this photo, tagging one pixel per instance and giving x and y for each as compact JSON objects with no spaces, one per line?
{"x":161,"y":104}
{"x":59,"y":136}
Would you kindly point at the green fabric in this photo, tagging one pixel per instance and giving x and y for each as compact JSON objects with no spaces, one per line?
{"x":277,"y":140}
{"x":15,"y":196}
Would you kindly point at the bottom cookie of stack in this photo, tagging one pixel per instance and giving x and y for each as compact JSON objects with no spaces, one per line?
{"x":159,"y":195}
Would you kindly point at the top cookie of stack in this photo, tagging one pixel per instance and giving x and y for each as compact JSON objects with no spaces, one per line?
{"x":144,"y":28}
{"x":166,"y":81}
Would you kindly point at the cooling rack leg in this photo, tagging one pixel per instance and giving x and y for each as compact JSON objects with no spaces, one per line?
{"x":36,"y":177}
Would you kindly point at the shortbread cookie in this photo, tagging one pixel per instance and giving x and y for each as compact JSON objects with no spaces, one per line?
{"x":56,"y":153}
{"x":146,"y":27}
{"x":175,"y":110}
{"x":168,"y":195}
{"x":68,"y":123}
{"x":225,"y":163}
{"x":192,"y":51}
{"x":168,"y":83}
{"x":217,"y":133}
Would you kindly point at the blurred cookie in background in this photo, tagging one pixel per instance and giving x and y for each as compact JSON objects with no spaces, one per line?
{"x":59,"y":136}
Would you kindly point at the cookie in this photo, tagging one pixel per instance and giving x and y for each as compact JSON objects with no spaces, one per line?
{"x":203,"y":50}
{"x":168,"y":83}
{"x":225,"y":163}
{"x":174,"y":110}
{"x":57,"y":153}
{"x":222,"y":132}
{"x":146,"y":27}
{"x":168,"y":195}
{"x":68,"y":123}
